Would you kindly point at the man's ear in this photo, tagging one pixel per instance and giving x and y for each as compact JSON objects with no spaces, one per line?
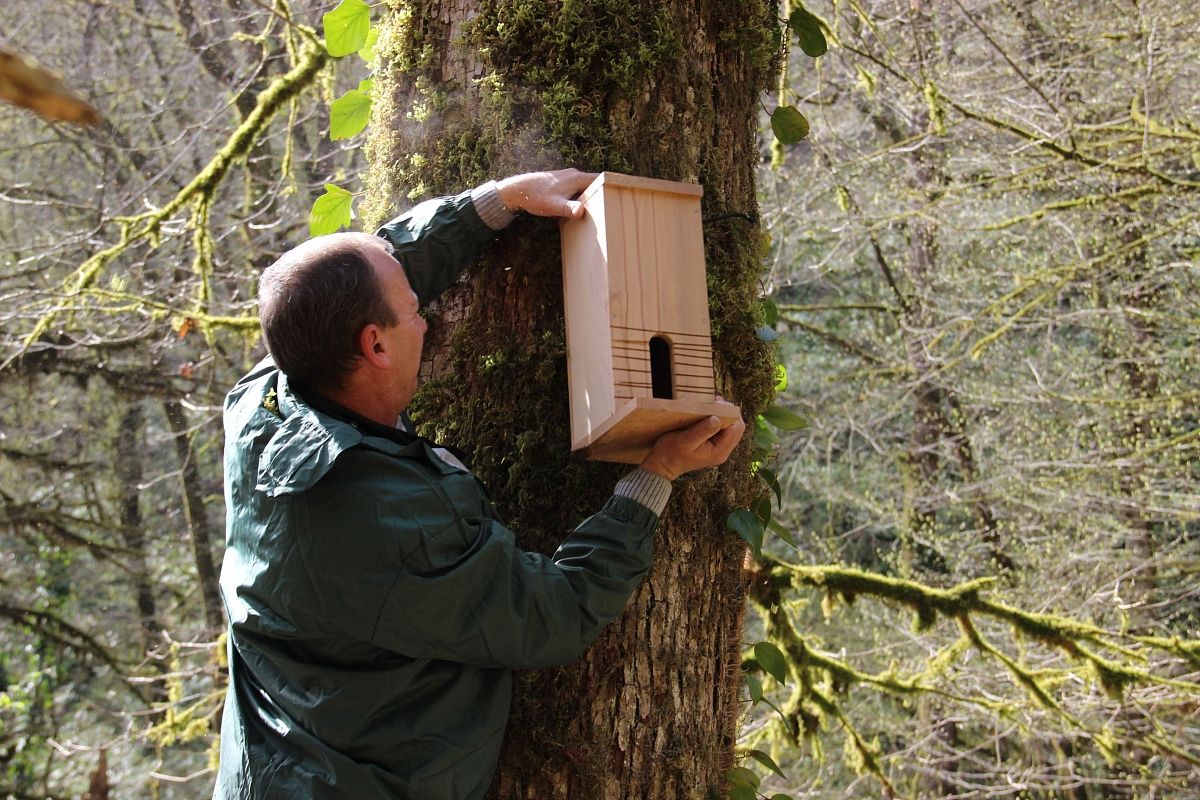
{"x":373,"y":348}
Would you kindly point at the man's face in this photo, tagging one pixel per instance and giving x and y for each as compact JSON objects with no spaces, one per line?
{"x":404,"y":339}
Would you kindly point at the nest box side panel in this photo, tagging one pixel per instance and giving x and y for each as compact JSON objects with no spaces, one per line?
{"x":658,"y":288}
{"x":585,"y":300}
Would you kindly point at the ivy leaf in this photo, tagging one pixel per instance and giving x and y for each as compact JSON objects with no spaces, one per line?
{"x":331,"y":211}
{"x":764,"y":437}
{"x":785,"y":419}
{"x":738,"y":792}
{"x":771,"y":659}
{"x":770,"y":479}
{"x":770,"y":311}
{"x":754,"y":687}
{"x":808,"y":32}
{"x":766,"y":761}
{"x":742,"y":778}
{"x":367,"y":51}
{"x":746,"y":524}
{"x":762,"y":510}
{"x":349,"y":114}
{"x":782,"y":533}
{"x":366,"y":85}
{"x":347,"y":27}
{"x":788,"y":124}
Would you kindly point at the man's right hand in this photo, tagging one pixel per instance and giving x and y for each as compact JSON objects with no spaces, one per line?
{"x":703,"y":444}
{"x":546,"y":194}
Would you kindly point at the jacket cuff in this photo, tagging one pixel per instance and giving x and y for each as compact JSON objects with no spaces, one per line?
{"x":490,"y":207}
{"x":645,"y":488}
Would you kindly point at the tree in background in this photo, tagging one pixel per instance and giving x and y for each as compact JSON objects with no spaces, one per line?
{"x":130,"y":252}
{"x":975,"y":252}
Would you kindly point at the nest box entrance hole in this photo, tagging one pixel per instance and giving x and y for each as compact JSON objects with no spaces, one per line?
{"x":662,"y":381}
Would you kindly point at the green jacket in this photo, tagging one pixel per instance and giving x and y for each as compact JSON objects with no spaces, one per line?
{"x":376,"y":601}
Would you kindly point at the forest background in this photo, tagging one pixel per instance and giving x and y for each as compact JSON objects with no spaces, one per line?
{"x":972,"y":571}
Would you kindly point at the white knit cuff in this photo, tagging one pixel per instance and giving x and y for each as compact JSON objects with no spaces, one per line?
{"x":490,"y":207}
{"x":646,"y":488}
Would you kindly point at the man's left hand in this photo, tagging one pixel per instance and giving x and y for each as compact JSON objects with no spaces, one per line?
{"x":546,"y":194}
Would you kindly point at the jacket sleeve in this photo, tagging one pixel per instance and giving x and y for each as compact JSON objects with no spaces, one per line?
{"x":436,"y":241}
{"x":450,"y":582}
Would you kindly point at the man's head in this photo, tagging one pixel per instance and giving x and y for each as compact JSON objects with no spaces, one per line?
{"x":339,"y":318}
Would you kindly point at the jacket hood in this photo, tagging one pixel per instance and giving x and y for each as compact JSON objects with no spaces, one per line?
{"x":307,"y":443}
{"x":304,"y":448}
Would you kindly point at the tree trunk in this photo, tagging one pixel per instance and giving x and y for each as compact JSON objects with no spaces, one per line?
{"x":130,"y":445}
{"x":200,"y":532}
{"x":475,"y":90}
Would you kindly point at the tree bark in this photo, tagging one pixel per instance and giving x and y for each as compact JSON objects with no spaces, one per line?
{"x":130,"y":445}
{"x":200,"y":531}
{"x":663,"y":89}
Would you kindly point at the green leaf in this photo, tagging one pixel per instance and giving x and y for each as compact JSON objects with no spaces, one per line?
{"x":788,"y":124}
{"x":349,"y":114}
{"x":771,"y":659}
{"x":746,"y":524}
{"x":347,"y":27}
{"x":366,"y":85}
{"x":785,"y":419}
{"x":740,"y":776}
{"x":742,"y":793}
{"x":770,"y":311}
{"x":781,"y":378}
{"x":331,"y":211}
{"x":766,"y":761}
{"x":367,"y":51}
{"x":782,"y":533}
{"x":770,"y":479}
{"x":808,"y":32}
{"x":782,"y":796}
{"x":754,"y":687}
{"x":762,"y":509}
{"x":764,"y":437}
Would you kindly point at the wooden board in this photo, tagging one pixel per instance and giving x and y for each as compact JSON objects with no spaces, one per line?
{"x":585,"y":304}
{"x":657,"y":286}
{"x":626,"y":437}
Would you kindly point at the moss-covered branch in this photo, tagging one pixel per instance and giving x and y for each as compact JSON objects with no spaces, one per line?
{"x":201,"y":190}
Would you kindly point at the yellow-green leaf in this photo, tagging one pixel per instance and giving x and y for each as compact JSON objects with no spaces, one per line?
{"x":347,"y":27}
{"x":331,"y":211}
{"x":349,"y":114}
{"x":367,"y":51}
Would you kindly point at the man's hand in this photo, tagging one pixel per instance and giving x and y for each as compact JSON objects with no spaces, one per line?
{"x":546,"y":194}
{"x":702,"y":445}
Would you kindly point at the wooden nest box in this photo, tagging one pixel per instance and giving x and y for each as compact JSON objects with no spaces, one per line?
{"x":639,"y":346}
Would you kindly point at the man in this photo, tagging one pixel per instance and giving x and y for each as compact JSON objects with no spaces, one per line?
{"x":376,"y":602}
